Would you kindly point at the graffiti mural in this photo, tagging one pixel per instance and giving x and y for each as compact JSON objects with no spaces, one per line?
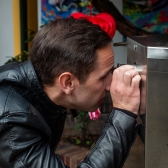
{"x":53,"y":9}
{"x":149,"y":15}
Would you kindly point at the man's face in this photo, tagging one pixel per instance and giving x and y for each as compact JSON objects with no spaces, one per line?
{"x":90,"y":95}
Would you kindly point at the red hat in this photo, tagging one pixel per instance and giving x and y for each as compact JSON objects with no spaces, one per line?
{"x":104,"y":20}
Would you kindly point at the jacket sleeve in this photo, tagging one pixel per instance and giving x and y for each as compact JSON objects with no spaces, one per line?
{"x":113,"y":145}
{"x":26,"y":145}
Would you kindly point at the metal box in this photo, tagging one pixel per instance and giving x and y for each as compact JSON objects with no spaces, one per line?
{"x":150,"y":56}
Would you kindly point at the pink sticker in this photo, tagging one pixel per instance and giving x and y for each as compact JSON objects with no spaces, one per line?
{"x":95,"y":114}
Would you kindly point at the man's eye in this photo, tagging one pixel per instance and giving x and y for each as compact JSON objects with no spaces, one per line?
{"x":112,"y":69}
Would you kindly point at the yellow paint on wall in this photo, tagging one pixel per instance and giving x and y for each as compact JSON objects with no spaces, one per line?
{"x":16,"y":26}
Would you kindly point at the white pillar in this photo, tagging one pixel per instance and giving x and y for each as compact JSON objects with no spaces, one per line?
{"x":6,"y":31}
{"x":120,"y":52}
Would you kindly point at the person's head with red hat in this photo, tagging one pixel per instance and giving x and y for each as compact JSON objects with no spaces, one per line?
{"x":74,"y":58}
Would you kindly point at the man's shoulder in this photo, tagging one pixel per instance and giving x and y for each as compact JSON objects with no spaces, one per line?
{"x":15,"y":109}
{"x":12,"y":102}
{"x":8,"y":66}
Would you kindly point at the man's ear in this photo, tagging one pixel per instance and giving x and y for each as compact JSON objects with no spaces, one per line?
{"x":66,"y":81}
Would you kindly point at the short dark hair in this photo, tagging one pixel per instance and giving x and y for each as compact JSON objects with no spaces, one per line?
{"x":66,"y":45}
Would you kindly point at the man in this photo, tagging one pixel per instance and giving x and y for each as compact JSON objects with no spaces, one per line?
{"x":70,"y":68}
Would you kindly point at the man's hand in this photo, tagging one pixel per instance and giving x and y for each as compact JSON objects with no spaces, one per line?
{"x":125,"y":91}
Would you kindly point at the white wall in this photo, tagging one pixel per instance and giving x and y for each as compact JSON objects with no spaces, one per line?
{"x":39,"y":13}
{"x":6,"y":31}
{"x":120,"y":52}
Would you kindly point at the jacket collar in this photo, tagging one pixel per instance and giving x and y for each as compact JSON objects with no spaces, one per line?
{"x":33,"y":85}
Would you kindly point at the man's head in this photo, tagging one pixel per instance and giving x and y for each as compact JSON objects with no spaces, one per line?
{"x":73,"y":60}
{"x":66,"y":45}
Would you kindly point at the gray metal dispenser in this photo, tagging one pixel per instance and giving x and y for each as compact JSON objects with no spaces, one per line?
{"x":150,"y":55}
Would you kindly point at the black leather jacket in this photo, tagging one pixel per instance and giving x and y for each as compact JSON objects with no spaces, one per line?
{"x":31,"y":126}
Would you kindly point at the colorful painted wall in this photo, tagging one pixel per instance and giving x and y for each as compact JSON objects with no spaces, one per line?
{"x":53,"y":9}
{"x":149,"y":15}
